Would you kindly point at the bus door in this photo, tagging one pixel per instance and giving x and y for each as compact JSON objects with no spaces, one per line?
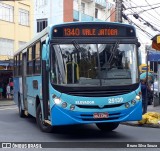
{"x":24,"y":84}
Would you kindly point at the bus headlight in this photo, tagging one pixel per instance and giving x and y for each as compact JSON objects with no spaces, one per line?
{"x":72,"y":107}
{"x":64,"y":104}
{"x":127,"y":105}
{"x":133,"y":102}
{"x":57,"y":100}
{"x":138,"y":97}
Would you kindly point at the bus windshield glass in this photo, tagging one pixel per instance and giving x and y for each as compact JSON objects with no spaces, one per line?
{"x":93,"y":64}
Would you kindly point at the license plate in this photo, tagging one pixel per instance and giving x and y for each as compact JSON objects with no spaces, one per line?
{"x":100,"y":115}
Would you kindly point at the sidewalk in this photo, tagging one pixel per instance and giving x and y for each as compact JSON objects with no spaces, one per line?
{"x":6,"y":102}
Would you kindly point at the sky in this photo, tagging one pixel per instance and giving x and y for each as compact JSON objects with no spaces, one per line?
{"x":147,"y":15}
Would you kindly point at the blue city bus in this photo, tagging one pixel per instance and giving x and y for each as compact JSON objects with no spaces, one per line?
{"x":79,"y":73}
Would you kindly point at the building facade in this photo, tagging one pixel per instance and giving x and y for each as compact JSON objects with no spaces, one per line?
{"x":16,"y":26}
{"x":58,"y":11}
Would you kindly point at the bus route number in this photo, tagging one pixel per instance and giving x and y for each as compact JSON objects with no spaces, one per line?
{"x":71,"y":31}
{"x":115,"y":100}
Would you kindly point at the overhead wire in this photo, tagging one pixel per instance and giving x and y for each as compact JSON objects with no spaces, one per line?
{"x":132,"y":22}
{"x":148,"y":23}
{"x":148,"y":34}
{"x":129,"y":4}
{"x":149,"y":9}
{"x":150,"y":6}
{"x":153,"y":17}
{"x":141,"y":6}
{"x":110,"y":14}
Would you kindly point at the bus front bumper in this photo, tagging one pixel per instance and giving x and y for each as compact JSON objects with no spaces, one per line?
{"x":60,"y":116}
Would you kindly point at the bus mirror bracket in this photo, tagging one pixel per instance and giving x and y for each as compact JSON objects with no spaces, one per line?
{"x":138,"y":44}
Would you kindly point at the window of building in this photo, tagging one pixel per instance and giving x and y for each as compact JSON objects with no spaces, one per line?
{"x":7,"y":47}
{"x":83,"y":8}
{"x":6,"y":12}
{"x":23,"y":17}
{"x":21,"y":43}
{"x":96,"y":13}
{"x":41,"y":24}
{"x":41,"y":2}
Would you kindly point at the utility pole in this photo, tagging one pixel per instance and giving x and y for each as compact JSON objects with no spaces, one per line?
{"x":119,"y":11}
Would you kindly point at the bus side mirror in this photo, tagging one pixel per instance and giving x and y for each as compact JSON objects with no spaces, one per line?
{"x":45,"y":55}
{"x":138,"y":44}
{"x":44,"y":52}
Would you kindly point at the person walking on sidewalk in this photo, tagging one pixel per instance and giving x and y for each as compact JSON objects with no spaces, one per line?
{"x":1,"y":91}
{"x":8,"y":91}
{"x":143,"y":90}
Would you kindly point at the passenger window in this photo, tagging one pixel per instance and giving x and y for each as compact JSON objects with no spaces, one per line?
{"x":29,"y":61}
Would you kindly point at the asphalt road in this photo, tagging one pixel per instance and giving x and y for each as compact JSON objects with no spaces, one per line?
{"x":16,"y":129}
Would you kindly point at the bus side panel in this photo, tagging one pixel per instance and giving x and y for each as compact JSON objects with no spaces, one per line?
{"x":34,"y":86}
{"x":16,"y":89}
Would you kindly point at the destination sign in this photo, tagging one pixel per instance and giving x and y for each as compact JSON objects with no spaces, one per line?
{"x":89,"y":32}
{"x":93,"y":30}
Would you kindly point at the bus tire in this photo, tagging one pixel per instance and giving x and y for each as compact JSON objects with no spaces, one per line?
{"x":21,"y":112}
{"x":107,"y":126}
{"x":43,"y":127}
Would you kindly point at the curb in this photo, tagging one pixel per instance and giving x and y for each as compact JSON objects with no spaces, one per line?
{"x":6,"y":105}
{"x":141,"y":125}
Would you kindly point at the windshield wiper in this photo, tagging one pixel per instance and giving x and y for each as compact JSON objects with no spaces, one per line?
{"x":79,"y":49}
{"x":113,"y":50}
{"x":76,"y":45}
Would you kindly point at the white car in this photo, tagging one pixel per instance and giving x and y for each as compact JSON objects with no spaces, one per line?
{"x":155,"y":86}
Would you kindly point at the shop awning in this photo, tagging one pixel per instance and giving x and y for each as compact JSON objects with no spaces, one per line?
{"x":6,"y":63}
{"x":153,"y":56}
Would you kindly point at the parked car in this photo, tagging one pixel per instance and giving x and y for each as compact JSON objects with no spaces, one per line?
{"x":150,"y":97}
{"x":155,"y":87}
{"x":153,"y":91}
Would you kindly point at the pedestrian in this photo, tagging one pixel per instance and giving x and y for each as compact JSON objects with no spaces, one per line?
{"x":11,"y":84}
{"x":4,"y":90}
{"x":1,"y":91}
{"x":8,"y":91}
{"x":144,"y":89}
{"x":11,"y":88}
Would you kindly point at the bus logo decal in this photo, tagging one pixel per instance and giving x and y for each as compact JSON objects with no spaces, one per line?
{"x":84,"y":102}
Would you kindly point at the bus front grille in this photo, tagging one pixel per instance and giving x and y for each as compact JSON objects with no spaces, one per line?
{"x":98,"y":107}
{"x":99,"y":93}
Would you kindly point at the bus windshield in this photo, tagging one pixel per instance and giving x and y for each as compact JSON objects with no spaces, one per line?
{"x":93,"y":64}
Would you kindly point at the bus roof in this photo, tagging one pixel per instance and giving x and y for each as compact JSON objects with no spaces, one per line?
{"x":95,"y":22}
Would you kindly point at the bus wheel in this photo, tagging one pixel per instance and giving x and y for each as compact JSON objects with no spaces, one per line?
{"x":107,"y":126}
{"x":44,"y":127}
{"x":21,"y":112}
